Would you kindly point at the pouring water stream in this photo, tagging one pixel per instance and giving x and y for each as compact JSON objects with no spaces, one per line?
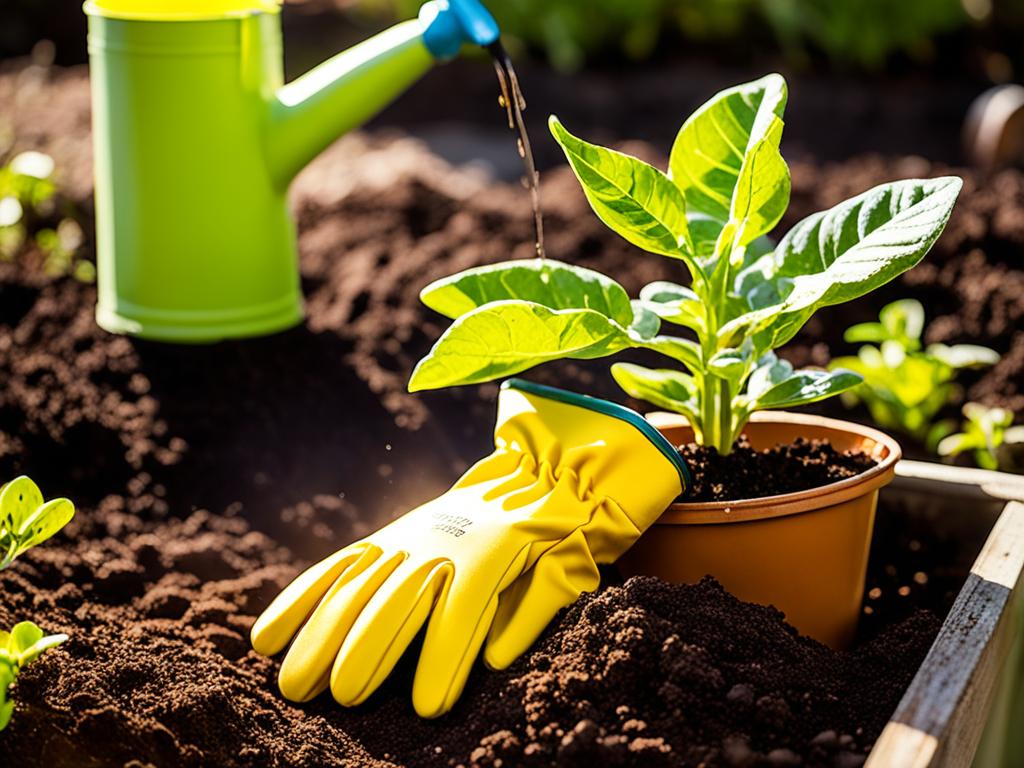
{"x":512,"y":100}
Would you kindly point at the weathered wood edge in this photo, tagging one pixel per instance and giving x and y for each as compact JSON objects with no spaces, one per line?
{"x":943,"y":713}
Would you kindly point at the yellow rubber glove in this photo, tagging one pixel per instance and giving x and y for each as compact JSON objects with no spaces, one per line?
{"x":573,"y":482}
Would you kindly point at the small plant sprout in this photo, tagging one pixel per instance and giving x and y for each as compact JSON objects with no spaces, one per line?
{"x":905,"y":387}
{"x":26,"y":520}
{"x":988,"y":434}
{"x":726,"y":188}
{"x":18,"y":648}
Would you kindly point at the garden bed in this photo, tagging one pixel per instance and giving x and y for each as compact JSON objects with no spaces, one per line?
{"x":308,"y":439}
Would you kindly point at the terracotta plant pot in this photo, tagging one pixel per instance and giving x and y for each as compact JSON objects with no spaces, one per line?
{"x":805,"y":553}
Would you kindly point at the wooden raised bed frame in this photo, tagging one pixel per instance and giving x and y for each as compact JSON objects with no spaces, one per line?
{"x":965,"y":705}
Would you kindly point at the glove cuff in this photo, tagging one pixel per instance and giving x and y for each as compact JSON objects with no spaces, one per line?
{"x":608,"y":408}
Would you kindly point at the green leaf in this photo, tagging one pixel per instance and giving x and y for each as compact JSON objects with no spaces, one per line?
{"x":709,"y":149}
{"x":634,"y":199}
{"x":646,"y":323}
{"x":733,"y":364}
{"x":553,"y":284}
{"x":987,"y":418}
{"x":6,"y":705}
{"x":675,"y":304}
{"x":769,"y":371}
{"x":18,"y":500}
{"x":840,"y":254}
{"x":901,"y":321}
{"x":682,"y":350}
{"x":667,"y":389}
{"x":762,"y":190}
{"x":1014,"y":435}
{"x":806,"y":386}
{"x":24,"y":635}
{"x":45,"y":521}
{"x":705,"y":232}
{"x":40,"y":647}
{"x":957,"y":444}
{"x":963,"y":355}
{"x":507,"y":337}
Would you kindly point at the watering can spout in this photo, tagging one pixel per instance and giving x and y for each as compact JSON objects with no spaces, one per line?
{"x":345,"y":91}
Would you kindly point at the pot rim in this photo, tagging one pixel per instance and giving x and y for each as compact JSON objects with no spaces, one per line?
{"x":886,"y":451}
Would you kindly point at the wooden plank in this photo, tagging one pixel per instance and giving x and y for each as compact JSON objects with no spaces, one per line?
{"x":929,"y":477}
{"x":940,"y":719}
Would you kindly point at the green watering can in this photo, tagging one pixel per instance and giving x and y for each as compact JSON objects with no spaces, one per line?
{"x":196,"y":139}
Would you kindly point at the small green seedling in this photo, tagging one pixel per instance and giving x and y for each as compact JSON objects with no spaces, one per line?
{"x":726,"y":189}
{"x":988,"y":433}
{"x":18,"y":648}
{"x":905,"y":387}
{"x":26,"y":520}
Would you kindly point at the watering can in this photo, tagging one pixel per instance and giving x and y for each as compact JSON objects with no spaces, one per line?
{"x":196,"y":140}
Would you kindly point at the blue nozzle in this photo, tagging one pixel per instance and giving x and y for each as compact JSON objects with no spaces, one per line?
{"x":448,"y":24}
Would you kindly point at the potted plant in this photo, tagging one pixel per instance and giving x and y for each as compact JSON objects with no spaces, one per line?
{"x":726,"y":189}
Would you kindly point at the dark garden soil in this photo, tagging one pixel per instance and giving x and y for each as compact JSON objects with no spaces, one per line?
{"x":207,"y":476}
{"x":747,"y":473}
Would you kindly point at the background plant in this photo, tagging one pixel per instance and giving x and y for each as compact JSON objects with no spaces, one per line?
{"x":861,"y":33}
{"x":989,"y":436}
{"x":726,"y":188}
{"x":33,"y":215}
{"x":18,"y":648}
{"x":906,"y":387}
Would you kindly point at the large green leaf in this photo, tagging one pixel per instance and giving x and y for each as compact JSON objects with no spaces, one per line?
{"x":709,"y":149}
{"x":506,"y":337}
{"x":635,"y":199}
{"x":762,"y":190}
{"x":840,"y":254}
{"x":806,"y":386}
{"x":672,"y":390}
{"x":553,"y":284}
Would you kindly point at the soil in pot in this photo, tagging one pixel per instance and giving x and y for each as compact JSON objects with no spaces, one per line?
{"x":747,"y":473}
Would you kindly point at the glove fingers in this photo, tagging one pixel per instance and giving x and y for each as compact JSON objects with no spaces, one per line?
{"x":532,"y":601}
{"x":282,"y":618}
{"x":306,"y":668}
{"x":455,"y":633}
{"x":384,"y":630}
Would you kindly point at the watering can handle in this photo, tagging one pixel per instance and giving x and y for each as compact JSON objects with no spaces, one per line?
{"x":448,"y":24}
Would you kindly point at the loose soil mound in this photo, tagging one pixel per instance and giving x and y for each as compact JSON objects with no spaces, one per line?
{"x":308,"y":439}
{"x":158,"y":670}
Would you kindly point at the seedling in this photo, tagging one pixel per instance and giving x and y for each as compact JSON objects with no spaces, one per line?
{"x":726,"y":188}
{"x":26,"y":520}
{"x":18,"y":648}
{"x":904,"y":386}
{"x":987,"y":434}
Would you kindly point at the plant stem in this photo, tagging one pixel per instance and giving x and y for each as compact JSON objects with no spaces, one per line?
{"x":724,"y":418}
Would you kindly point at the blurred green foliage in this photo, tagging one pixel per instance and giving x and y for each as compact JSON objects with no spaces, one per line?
{"x":33,"y":217}
{"x":861,"y":33}
{"x":989,"y":436}
{"x":905,"y":387}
